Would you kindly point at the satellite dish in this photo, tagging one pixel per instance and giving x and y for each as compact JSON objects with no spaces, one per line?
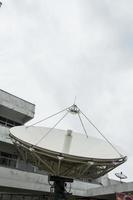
{"x":65,"y":154}
{"x":121,"y":176}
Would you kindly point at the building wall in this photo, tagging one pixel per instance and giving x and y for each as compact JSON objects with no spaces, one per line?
{"x":19,"y":179}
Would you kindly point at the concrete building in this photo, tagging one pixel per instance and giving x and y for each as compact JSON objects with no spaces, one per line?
{"x":19,"y":179}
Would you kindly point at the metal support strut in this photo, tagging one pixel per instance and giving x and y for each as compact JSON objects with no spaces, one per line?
{"x":59,"y":185}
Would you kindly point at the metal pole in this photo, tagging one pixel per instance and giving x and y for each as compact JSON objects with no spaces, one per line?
{"x":59,"y":187}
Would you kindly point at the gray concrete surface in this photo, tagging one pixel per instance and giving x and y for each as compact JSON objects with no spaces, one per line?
{"x":110,"y":190}
{"x":15,"y":108}
{"x":12,"y":178}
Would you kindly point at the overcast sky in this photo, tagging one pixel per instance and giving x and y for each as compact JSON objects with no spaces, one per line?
{"x":52,"y":51}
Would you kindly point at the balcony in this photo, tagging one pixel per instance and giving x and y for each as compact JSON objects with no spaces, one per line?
{"x":15,"y":109}
{"x":19,"y":175}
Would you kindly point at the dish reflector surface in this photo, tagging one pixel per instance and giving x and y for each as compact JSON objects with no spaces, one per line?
{"x":65,"y":142}
{"x":66,"y":153}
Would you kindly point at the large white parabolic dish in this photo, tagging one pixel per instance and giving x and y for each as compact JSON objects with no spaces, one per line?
{"x":66,"y":153}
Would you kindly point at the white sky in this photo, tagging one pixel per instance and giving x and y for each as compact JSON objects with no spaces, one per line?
{"x":51,"y":51}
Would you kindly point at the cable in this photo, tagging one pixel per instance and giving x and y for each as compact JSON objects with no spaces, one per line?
{"x":101,"y":133}
{"x":82,"y":125}
{"x":48,"y":117}
{"x":69,"y":109}
{"x":51,"y":128}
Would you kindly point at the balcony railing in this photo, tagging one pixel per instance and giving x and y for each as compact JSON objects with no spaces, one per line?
{"x":8,"y":162}
{"x":19,"y":164}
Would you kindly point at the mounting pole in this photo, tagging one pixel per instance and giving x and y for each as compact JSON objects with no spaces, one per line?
{"x":59,"y":187}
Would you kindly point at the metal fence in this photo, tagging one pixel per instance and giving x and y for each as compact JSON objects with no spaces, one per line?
{"x":15,"y":163}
